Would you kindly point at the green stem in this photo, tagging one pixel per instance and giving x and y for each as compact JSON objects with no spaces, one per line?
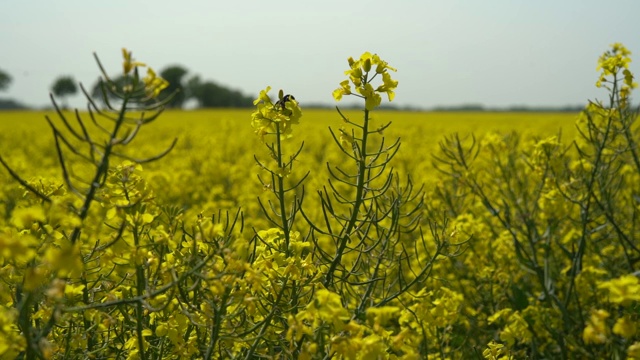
{"x":219,"y":314}
{"x":24,"y":305}
{"x":140,"y":287}
{"x":585,"y":207}
{"x":356,"y":204}
{"x":283,"y":215}
{"x":102,"y":169}
{"x":267,"y":321}
{"x":86,"y":322}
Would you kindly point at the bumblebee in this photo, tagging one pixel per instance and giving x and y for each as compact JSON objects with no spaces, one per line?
{"x":281,"y":102}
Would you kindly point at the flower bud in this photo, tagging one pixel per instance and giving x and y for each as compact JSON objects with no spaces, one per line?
{"x":367,"y":65}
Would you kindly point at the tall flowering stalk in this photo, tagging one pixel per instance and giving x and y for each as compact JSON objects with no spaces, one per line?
{"x":278,"y":251}
{"x":275,"y":121}
{"x":357,"y":147}
{"x":368,"y":246}
{"x":61,"y":262}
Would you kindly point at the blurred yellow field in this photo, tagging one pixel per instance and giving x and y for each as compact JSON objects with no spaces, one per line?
{"x":212,"y":165}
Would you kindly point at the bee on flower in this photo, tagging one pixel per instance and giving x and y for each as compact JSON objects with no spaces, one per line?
{"x":275,"y":118}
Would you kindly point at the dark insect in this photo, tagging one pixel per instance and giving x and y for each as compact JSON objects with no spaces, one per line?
{"x":281,"y":103}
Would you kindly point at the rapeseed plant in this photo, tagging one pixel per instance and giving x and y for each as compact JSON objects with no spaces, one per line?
{"x":567,"y":215}
{"x":529,"y":251}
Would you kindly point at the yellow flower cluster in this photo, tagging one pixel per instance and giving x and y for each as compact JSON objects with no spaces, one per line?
{"x":615,"y":63}
{"x":153,"y":84}
{"x":278,"y":118}
{"x":361,"y":76}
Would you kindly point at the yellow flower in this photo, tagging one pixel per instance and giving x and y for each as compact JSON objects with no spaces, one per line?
{"x":493,"y":350}
{"x":344,"y":89}
{"x":516,"y":330}
{"x":72,"y":291}
{"x":267,"y":115}
{"x":622,"y":290}
{"x":23,"y":218}
{"x":359,"y":76}
{"x":388,"y":85}
{"x":263,"y":97}
{"x":327,"y":307}
{"x":17,"y":248}
{"x":596,"y":331}
{"x":129,"y":64}
{"x":66,"y":260}
{"x":154,"y":84}
{"x":292,"y":110}
{"x":373,"y":348}
{"x":382,"y":315}
{"x":383,"y":66}
{"x":372,"y":99}
{"x":625,"y":327}
{"x":355,"y":74}
{"x":501,"y":314}
{"x":628,"y":78}
{"x":633,"y":352}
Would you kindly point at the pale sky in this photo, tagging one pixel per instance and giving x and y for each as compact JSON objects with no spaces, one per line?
{"x":492,"y":52}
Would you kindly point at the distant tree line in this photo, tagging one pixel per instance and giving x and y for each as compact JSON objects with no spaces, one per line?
{"x":512,"y":108}
{"x":209,"y":94}
{"x":205,"y":93}
{"x":5,"y":81}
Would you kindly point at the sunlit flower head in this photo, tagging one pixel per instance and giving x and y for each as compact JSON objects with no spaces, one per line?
{"x":361,"y":74}
{"x":129,"y":64}
{"x":154,"y":84}
{"x":275,"y":118}
{"x":263,"y":97}
{"x":614,"y":61}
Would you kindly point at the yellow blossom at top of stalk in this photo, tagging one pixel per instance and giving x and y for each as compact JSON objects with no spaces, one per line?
{"x":263,"y":97}
{"x":154,"y":84}
{"x":129,"y":64}
{"x":612,"y":62}
{"x":361,"y":74}
{"x":345,"y":89}
{"x":388,"y":85}
{"x":614,"y":59}
{"x":278,"y":118}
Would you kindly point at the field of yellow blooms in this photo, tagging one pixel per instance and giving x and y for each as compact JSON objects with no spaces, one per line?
{"x":293,"y":233}
{"x":212,"y":165}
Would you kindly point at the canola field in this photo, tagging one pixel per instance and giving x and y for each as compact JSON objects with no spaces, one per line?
{"x":212,"y":165}
{"x":281,"y":232}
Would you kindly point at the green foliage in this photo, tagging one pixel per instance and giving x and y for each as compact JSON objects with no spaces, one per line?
{"x":209,"y":94}
{"x":103,"y":95}
{"x":5,"y":80}
{"x":64,"y":86}
{"x":174,"y":76}
{"x":10,"y":104}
